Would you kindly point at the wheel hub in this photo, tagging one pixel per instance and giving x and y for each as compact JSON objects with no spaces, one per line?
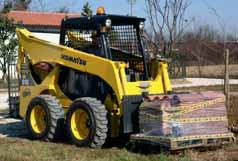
{"x":80,"y":124}
{"x":38,"y":119}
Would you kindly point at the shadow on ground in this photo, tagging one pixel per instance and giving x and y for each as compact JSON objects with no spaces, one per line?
{"x":145,"y":147}
{"x":142,"y":147}
{"x":11,"y":127}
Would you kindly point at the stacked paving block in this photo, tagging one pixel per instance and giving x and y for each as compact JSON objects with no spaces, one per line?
{"x":184,"y":117}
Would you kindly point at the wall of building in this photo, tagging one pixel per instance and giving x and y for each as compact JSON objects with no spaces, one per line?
{"x":52,"y":37}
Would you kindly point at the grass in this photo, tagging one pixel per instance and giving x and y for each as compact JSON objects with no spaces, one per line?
{"x":13,"y":149}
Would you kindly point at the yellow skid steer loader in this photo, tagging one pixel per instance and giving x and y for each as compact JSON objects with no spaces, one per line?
{"x":93,"y":83}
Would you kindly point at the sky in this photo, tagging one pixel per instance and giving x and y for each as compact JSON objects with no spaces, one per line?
{"x":227,"y":9}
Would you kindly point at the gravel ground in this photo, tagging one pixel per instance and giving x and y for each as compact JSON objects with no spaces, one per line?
{"x":3,"y":100}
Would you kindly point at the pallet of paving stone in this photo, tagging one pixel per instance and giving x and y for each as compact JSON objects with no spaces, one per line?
{"x":195,"y":114}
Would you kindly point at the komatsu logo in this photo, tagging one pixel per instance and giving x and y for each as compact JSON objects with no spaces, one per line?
{"x":75,"y":60}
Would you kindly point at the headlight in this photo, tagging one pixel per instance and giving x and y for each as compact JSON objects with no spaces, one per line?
{"x":142,"y":25}
{"x":108,"y":23}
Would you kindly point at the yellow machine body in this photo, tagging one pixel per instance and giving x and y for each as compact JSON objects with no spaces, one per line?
{"x":33,"y":50}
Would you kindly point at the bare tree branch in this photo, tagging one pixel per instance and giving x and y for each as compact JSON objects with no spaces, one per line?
{"x":167,"y":22}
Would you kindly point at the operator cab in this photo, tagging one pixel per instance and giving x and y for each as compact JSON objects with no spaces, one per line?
{"x":113,"y":37}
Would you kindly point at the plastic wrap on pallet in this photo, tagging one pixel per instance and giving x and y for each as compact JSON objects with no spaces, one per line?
{"x":177,"y":129}
{"x":161,"y":118}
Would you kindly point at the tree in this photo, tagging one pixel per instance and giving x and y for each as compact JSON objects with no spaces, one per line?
{"x":41,"y":5}
{"x":7,"y":6}
{"x":87,"y":10}
{"x":8,"y":43}
{"x":21,"y":5}
{"x":167,"y":23}
{"x":132,"y":3}
{"x":199,"y":44}
{"x":202,"y":32}
{"x":63,"y":9}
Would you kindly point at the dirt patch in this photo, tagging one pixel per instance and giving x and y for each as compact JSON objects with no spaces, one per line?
{"x":179,"y":81}
{"x":233,"y":88}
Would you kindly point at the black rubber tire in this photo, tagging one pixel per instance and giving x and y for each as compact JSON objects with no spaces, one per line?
{"x":54,"y":118}
{"x":98,"y":122}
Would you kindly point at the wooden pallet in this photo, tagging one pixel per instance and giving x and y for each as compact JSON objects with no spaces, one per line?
{"x":178,"y":143}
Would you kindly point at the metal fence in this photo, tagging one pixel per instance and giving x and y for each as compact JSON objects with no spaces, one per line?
{"x":13,"y":86}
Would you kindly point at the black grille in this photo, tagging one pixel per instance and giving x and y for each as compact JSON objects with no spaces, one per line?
{"x":125,"y":46}
{"x":84,"y":40}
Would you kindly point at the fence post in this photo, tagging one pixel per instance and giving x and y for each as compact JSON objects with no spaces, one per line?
{"x":226,"y":79}
{"x":9,"y":84}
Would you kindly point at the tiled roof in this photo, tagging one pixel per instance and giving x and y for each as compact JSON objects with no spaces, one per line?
{"x":40,"y":18}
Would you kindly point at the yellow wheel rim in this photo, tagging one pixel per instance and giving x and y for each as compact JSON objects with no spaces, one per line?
{"x":37,"y":119}
{"x":80,"y":124}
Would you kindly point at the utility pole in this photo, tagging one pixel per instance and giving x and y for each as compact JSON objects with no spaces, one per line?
{"x":132,"y":3}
